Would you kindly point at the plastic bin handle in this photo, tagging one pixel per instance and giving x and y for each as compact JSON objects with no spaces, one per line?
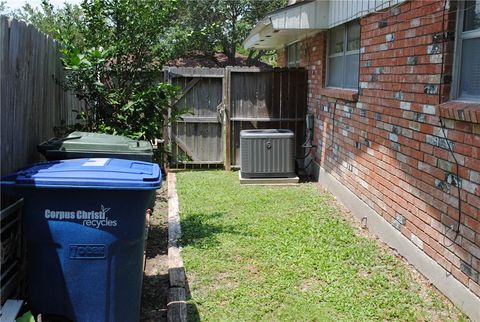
{"x":65,"y":139}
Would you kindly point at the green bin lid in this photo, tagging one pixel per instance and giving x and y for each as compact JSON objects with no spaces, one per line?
{"x":95,"y":142}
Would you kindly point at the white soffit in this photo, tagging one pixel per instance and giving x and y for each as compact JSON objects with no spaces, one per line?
{"x":288,"y":25}
{"x":306,"y":18}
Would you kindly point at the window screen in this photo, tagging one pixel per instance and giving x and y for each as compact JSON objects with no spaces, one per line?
{"x":351,"y":66}
{"x":353,"y":36}
{"x":472,"y":15}
{"x":336,"y":40}
{"x":467,"y":71}
{"x":343,"y":58}
{"x":470,"y":70}
{"x":335,"y":71}
{"x":293,"y":55}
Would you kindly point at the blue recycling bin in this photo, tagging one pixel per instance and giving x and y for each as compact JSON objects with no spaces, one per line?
{"x":85,"y":229}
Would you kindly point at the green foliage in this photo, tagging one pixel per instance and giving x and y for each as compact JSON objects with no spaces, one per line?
{"x":117,"y":68}
{"x":27,"y":317}
{"x":113,"y":51}
{"x":3,"y":7}
{"x":223,"y":25}
{"x":256,"y":253}
{"x":61,"y":23}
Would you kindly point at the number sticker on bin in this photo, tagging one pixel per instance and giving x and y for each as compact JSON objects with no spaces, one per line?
{"x":82,"y":251}
{"x":95,"y":162}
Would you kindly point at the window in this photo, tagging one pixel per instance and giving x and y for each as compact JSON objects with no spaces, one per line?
{"x":467,"y":52}
{"x":344,"y":55}
{"x":293,"y":55}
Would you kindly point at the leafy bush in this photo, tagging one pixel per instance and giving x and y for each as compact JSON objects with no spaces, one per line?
{"x":116,"y":69}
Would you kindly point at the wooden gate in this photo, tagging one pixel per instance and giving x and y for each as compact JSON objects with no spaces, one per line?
{"x":264,"y":99}
{"x":197,"y":137}
{"x":224,"y":101}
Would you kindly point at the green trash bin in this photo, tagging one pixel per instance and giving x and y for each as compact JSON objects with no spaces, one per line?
{"x":95,"y":145}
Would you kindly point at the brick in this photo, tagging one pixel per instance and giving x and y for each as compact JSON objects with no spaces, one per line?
{"x":449,"y":124}
{"x":401,"y":157}
{"x":417,"y":241}
{"x":476,"y":129}
{"x":393,"y":137}
{"x":382,"y":47}
{"x":469,"y":186}
{"x":395,"y":146}
{"x":473,"y":224}
{"x":408,"y":134}
{"x":414,"y":125}
{"x":467,"y":233}
{"x":433,"y":140}
{"x":433,"y":49}
{"x":424,"y":167}
{"x":469,"y":271}
{"x":419,"y":117}
{"x":476,"y":264}
{"x":400,"y":218}
{"x":474,"y":287}
{"x":412,"y":60}
{"x":429,"y":109}
{"x":471,"y":248}
{"x":438,"y":131}
{"x":415,"y":22}
{"x":436,"y":59}
{"x":405,"y":105}
{"x":459,"y":275}
{"x":430,"y":89}
{"x":475,"y":177}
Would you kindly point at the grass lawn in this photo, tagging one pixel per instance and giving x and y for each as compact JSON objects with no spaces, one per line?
{"x":288,"y":253}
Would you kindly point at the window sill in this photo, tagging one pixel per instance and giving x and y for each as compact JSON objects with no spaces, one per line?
{"x":460,"y":111}
{"x":340,"y":93}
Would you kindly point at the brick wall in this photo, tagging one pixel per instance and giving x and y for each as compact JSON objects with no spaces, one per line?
{"x":282,"y":57}
{"x":386,"y":143}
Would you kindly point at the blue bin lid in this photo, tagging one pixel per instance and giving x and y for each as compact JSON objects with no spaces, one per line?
{"x":92,"y":173}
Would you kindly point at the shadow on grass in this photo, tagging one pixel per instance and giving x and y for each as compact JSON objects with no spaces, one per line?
{"x":192,"y":311}
{"x":201,"y":230}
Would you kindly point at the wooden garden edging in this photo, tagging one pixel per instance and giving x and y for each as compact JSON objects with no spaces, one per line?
{"x":176,"y":303}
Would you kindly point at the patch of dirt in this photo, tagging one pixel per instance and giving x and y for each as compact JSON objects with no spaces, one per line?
{"x":155,"y":277}
{"x":311,"y":284}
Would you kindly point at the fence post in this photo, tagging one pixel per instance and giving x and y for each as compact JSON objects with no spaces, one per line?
{"x":226,"y":118}
{"x":167,"y":125}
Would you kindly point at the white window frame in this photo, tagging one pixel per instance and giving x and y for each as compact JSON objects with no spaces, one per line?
{"x":457,"y":60}
{"x":343,"y":54}
{"x":295,"y":62}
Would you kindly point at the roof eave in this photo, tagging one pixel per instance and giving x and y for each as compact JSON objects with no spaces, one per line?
{"x":288,"y":25}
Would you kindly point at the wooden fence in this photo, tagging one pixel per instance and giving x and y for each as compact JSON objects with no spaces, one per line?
{"x":225,"y":101}
{"x":197,"y":138}
{"x":32,"y":99}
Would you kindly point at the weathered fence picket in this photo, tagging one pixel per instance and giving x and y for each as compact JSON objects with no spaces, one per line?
{"x":32,"y":100}
{"x":197,"y":137}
